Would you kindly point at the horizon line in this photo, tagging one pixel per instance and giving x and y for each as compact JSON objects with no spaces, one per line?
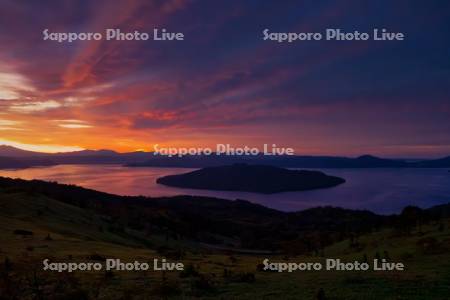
{"x":79,"y":149}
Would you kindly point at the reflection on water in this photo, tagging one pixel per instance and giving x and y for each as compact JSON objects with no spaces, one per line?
{"x":379,"y":190}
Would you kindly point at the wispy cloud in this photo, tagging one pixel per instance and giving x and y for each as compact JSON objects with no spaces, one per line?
{"x":223,"y":83}
{"x":73,"y":124}
{"x":30,"y":107}
{"x":39,"y":148}
{"x":10,"y":125}
{"x":13,"y":85}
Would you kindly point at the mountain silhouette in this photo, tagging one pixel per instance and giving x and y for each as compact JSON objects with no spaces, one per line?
{"x":436,"y":163}
{"x":24,"y":158}
{"x":10,"y":151}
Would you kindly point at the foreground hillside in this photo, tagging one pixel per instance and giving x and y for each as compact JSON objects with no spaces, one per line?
{"x":43,"y":220}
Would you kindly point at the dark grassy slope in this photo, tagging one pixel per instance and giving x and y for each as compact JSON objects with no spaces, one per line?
{"x":37,"y":221}
{"x":239,"y":224}
{"x":251,"y":178}
{"x":210,"y":220}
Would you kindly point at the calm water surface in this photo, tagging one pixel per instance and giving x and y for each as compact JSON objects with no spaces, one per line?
{"x":379,"y":190}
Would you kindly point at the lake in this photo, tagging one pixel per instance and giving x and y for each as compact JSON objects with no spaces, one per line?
{"x":379,"y":190}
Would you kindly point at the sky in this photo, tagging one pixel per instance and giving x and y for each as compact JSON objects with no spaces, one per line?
{"x":223,"y":83}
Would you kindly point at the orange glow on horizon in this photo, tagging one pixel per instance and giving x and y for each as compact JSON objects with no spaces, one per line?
{"x":40,"y":148}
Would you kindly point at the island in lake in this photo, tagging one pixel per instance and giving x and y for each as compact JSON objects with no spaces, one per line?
{"x":251,"y":178}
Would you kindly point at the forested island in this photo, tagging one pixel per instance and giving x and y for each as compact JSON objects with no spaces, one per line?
{"x":251,"y":178}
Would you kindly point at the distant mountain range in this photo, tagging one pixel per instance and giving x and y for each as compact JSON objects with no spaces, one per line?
{"x":11,"y":157}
